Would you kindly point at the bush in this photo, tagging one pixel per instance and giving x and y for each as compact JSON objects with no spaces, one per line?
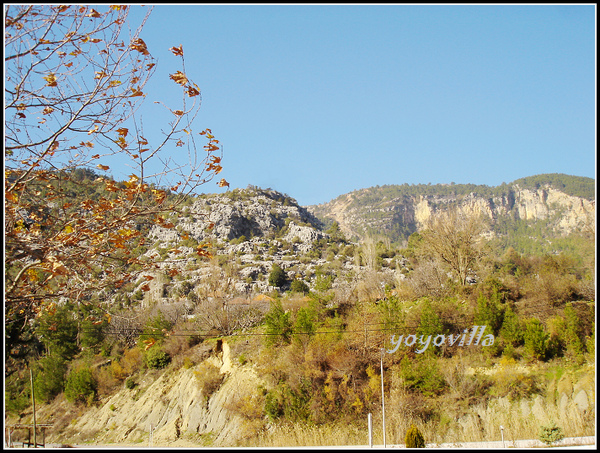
{"x":551,"y":433}
{"x":49,"y":377}
{"x":414,"y":438}
{"x":157,"y":358}
{"x":278,"y":325}
{"x":81,"y":385}
{"x":155,"y":330}
{"x":423,"y":375}
{"x":277,"y":277}
{"x":209,"y":378}
{"x":536,"y":339}
{"x":298,"y":286}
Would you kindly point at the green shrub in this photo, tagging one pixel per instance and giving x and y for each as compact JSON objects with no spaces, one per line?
{"x":512,"y":328}
{"x":130,"y":383}
{"x":551,"y":433}
{"x":81,"y":385}
{"x":278,"y":324}
{"x":536,"y":339}
{"x":422,"y":374}
{"x":157,"y":358}
{"x":414,"y":438}
{"x":49,"y":377}
{"x":277,"y":277}
{"x":298,"y":286}
{"x":291,"y":404}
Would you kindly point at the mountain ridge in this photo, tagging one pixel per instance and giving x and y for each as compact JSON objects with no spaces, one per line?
{"x":566,"y":203}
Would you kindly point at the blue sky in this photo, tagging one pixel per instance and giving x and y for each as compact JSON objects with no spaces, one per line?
{"x":319,"y":100}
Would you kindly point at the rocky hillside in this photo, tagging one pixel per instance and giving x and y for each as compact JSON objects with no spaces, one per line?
{"x":215,"y":390}
{"x":251,"y":230}
{"x":562,"y":204}
{"x":248,"y":230}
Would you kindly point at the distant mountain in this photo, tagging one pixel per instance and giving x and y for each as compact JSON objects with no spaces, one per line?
{"x":548,"y":205}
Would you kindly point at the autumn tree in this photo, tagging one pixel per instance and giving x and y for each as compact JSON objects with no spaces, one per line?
{"x":75,"y":78}
{"x":454,"y":237}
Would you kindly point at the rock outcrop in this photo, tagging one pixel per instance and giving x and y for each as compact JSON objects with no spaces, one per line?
{"x":170,"y":410}
{"x":369,"y":211}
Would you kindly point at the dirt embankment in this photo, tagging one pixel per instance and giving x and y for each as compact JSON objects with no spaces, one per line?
{"x":164,"y":409}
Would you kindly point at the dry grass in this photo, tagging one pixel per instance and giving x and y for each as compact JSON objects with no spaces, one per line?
{"x":440,"y":421}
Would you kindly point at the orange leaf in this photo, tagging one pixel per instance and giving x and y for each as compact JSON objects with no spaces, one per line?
{"x":178,"y":51}
{"x":191,"y":91}
{"x":94,"y":14}
{"x":223,"y":183}
{"x":139,"y":45}
{"x":103,"y":167}
{"x":145,"y":288}
{"x":179,"y":77}
{"x":51,"y":79}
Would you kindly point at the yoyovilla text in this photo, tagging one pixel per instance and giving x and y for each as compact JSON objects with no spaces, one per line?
{"x":475,"y":338}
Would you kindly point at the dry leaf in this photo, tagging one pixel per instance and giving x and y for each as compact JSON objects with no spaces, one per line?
{"x":178,"y":51}
{"x":179,"y":77}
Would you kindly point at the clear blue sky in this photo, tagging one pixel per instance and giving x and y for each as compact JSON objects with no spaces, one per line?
{"x":319,"y":100}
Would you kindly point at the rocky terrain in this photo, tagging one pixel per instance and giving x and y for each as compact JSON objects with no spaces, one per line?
{"x":248,"y":232}
{"x":253,"y":229}
{"x":398,"y":211}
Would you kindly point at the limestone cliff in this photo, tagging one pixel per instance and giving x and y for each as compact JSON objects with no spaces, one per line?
{"x":398,"y":211}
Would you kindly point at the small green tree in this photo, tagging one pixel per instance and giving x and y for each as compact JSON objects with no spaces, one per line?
{"x":512,"y":328}
{"x":298,"y":286}
{"x":304,"y":326}
{"x":551,"y":433}
{"x":155,"y":330}
{"x":49,"y":377}
{"x":278,"y":324}
{"x":57,"y":328}
{"x":573,"y":334}
{"x":277,"y":277}
{"x":489,"y":312}
{"x":536,"y":339}
{"x":156,"y":358}
{"x":81,"y":385}
{"x":414,"y":438}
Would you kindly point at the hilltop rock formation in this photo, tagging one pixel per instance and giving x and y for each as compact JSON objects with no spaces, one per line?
{"x":242,"y":214}
{"x":398,"y":211}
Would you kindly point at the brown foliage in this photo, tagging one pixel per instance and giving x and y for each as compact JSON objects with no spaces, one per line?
{"x":74,"y":79}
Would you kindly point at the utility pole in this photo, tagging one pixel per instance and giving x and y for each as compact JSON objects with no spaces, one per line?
{"x":382,"y":398}
{"x":370,"y":431}
{"x":33,"y":402}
